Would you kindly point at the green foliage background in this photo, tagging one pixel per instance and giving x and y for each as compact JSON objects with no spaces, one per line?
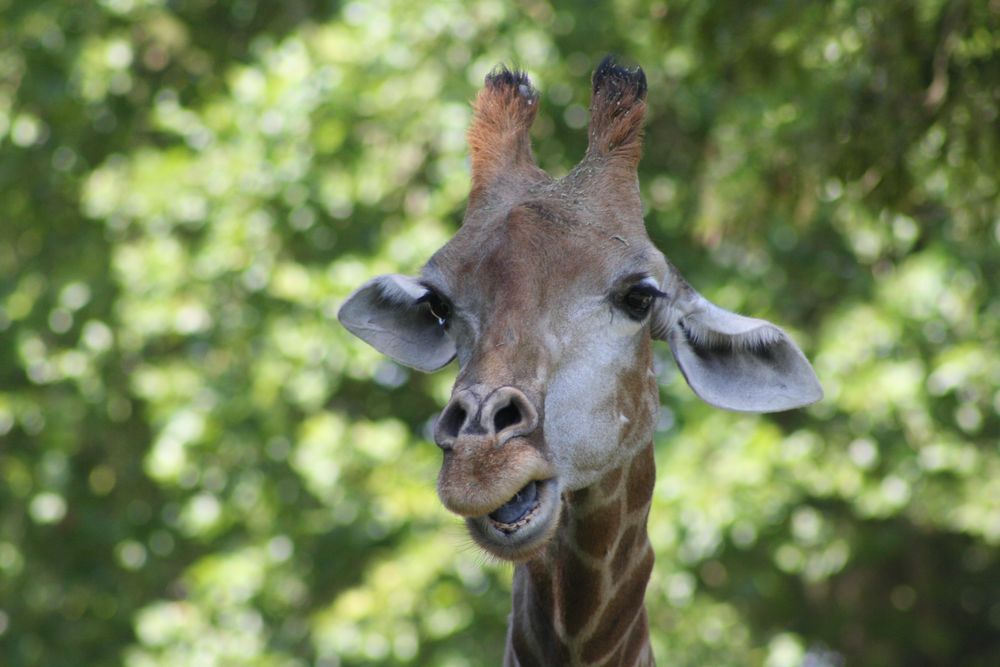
{"x":198,"y":466}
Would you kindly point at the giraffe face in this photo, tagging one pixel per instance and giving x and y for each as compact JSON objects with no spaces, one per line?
{"x":549,"y":296}
{"x":550,"y":314}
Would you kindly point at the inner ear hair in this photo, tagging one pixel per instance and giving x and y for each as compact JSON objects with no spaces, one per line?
{"x":755,"y":340}
{"x":392,"y":292}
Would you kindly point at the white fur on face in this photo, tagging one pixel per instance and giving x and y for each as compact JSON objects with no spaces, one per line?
{"x":583,"y":423}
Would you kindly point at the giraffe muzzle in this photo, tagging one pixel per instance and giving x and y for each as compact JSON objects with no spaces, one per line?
{"x":480,"y":477}
{"x":495,"y":472}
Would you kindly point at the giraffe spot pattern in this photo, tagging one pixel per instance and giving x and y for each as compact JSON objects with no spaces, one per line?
{"x":620,"y":612}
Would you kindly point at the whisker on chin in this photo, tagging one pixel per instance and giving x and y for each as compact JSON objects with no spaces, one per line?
{"x":483,"y":558}
{"x":466,"y":545}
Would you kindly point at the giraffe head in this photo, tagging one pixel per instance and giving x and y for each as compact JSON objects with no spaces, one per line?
{"x":549,"y":296}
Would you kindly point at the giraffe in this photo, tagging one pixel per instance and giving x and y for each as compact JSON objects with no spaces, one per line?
{"x":550,"y":296}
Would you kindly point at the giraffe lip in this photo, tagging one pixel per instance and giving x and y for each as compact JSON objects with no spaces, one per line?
{"x":518,"y":529}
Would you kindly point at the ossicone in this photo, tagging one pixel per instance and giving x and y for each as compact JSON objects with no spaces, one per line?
{"x":617,"y":110}
{"x":499,"y":141}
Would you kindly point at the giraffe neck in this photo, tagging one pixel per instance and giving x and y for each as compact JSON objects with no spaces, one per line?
{"x":581,"y":601}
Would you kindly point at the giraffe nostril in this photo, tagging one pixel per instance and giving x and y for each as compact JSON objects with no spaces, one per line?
{"x":451,"y":421}
{"x":506,"y":416}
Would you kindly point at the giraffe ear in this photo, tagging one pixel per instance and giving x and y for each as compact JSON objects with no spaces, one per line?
{"x":735,"y":362}
{"x":389,"y":314}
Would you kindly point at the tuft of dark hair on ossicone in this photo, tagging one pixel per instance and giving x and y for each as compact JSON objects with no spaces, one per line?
{"x":615,"y":81}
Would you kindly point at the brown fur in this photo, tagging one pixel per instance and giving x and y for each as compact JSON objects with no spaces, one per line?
{"x":575,"y":598}
{"x":623,"y":610}
{"x":598,"y":529}
{"x":625,"y":550}
{"x":641,"y":478}
{"x":611,"y":482}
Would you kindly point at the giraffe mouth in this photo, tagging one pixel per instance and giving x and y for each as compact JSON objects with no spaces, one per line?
{"x":517,"y":511}
{"x":519,"y":528}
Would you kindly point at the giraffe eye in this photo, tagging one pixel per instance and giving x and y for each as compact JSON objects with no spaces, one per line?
{"x":437,"y":305}
{"x":638,"y":300}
